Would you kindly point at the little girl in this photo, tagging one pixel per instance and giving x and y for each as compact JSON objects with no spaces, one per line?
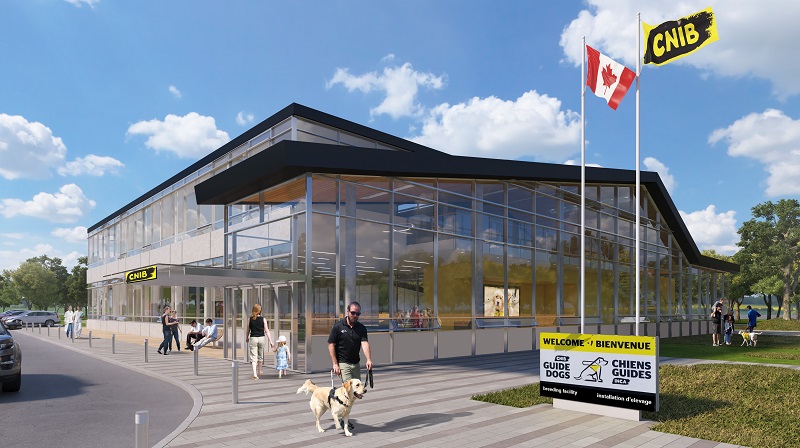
{"x":283,"y":356}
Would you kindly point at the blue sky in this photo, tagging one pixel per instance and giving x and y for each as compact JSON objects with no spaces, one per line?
{"x":102,"y":100}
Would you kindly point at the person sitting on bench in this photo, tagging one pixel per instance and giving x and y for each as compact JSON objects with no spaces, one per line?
{"x":209,"y":334}
{"x":195,"y":332}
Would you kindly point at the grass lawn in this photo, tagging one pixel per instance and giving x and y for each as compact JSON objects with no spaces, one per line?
{"x":752,"y":405}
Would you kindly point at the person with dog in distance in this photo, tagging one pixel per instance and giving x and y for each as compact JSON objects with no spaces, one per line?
{"x":716,"y":320}
{"x":348,"y":337}
{"x":751,"y":318}
{"x":282,"y":356}
{"x":728,"y":323}
{"x":257,"y":335}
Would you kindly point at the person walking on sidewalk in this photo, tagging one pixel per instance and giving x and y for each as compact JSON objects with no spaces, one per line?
{"x":165,"y":329}
{"x":282,"y":356}
{"x":77,"y":322}
{"x":68,"y":323}
{"x":348,"y":337}
{"x":257,"y":334}
{"x":752,"y":315}
{"x":175,"y":330}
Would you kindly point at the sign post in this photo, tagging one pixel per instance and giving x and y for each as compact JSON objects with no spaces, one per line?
{"x":600,"y":374}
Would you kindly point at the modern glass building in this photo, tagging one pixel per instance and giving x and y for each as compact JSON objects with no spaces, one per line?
{"x":448,"y":255}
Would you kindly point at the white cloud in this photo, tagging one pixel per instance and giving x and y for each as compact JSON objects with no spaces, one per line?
{"x":28,"y":149}
{"x":12,"y":259}
{"x":771,"y":138}
{"x":388,"y":58}
{"x":190,"y":136}
{"x":399,"y":85}
{"x":533,"y":126}
{"x":243,"y":118}
{"x":92,"y":165}
{"x":712,"y":230}
{"x":755,"y":37}
{"x":79,"y":3}
{"x":68,"y":205}
{"x":653,"y":164}
{"x":74,"y":235}
{"x":13,"y":236}
{"x":175,"y":92}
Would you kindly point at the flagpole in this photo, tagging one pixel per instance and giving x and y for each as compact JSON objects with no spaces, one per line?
{"x":583,"y":187}
{"x":637,"y":190}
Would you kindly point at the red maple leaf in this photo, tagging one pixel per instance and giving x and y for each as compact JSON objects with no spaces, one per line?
{"x":608,"y":77}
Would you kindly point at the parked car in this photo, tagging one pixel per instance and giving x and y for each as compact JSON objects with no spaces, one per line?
{"x":46,"y":318}
{"x":9,"y":313}
{"x":10,"y":362}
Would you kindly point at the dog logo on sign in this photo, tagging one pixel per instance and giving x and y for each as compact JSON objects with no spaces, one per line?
{"x":593,"y":370}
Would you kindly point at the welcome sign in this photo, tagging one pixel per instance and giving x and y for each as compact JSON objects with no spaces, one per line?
{"x":608,"y":370}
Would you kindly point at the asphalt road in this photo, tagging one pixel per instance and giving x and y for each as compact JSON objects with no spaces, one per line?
{"x":71,"y":399}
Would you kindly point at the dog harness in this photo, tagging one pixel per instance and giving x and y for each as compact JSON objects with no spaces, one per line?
{"x":332,"y":396}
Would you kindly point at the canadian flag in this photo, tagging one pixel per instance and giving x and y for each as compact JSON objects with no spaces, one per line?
{"x":607,"y":78}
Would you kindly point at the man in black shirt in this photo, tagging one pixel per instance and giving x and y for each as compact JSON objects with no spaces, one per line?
{"x":348,"y":337}
{"x":346,"y":340}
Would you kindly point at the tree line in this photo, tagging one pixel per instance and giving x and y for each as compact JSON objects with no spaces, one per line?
{"x":44,"y":283}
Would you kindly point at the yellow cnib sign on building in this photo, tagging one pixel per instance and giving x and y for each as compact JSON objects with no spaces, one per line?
{"x":141,"y":275}
{"x":675,"y":39}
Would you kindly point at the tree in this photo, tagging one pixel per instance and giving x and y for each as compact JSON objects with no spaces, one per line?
{"x":771,"y":241}
{"x":8,"y":294}
{"x":36,"y":284}
{"x":76,"y":284}
{"x":61,"y":274}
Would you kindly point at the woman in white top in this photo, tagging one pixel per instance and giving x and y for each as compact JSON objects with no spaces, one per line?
{"x":76,"y":322}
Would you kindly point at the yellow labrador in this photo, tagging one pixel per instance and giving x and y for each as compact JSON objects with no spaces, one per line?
{"x":339,"y":400}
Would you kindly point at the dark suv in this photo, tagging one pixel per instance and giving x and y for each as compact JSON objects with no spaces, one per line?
{"x":10,"y":362}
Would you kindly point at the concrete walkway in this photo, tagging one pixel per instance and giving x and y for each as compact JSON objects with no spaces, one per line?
{"x":413,"y":404}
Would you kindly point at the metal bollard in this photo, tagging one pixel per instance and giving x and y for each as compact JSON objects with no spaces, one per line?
{"x":235,"y":383}
{"x":48,"y":330}
{"x":72,"y":335}
{"x":59,"y":334}
{"x":113,"y":344}
{"x":40,"y":328}
{"x":145,"y":350}
{"x":90,"y":339}
{"x":196,"y":361}
{"x":142,"y":421}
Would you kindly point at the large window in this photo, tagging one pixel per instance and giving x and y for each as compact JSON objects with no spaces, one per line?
{"x":455,"y":282}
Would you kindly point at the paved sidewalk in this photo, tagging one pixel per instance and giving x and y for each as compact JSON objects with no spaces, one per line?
{"x":413,"y":404}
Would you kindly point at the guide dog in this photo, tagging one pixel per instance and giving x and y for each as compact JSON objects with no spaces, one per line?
{"x":593,"y":369}
{"x":749,"y":338}
{"x":339,"y":400}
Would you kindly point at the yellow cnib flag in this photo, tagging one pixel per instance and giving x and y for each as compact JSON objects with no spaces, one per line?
{"x":675,"y":39}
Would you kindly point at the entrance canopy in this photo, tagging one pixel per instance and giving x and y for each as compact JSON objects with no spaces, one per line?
{"x":203,"y":276}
